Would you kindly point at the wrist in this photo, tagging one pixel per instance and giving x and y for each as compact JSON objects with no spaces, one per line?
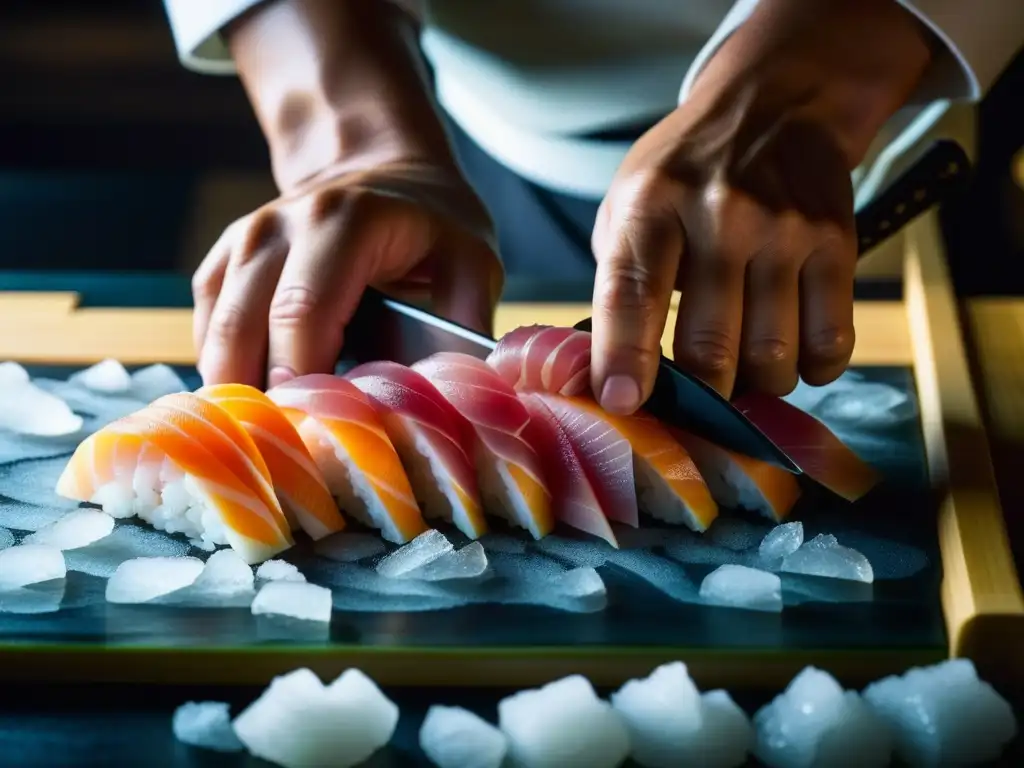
{"x":337,"y":87}
{"x":847,"y":65}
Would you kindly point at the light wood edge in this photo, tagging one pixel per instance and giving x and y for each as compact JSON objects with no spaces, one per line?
{"x":981,"y":593}
{"x":52,"y":330}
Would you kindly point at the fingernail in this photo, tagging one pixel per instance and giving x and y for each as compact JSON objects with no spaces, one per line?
{"x":621,"y":394}
{"x":280,"y":375}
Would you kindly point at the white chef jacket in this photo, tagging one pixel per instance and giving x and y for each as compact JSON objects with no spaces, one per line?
{"x":528,"y":80}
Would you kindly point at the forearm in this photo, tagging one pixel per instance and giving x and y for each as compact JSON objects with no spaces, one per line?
{"x":849,"y":64}
{"x":336,"y":85}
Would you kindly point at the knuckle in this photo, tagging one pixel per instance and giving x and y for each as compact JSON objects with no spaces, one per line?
{"x":228,"y":324}
{"x":203,"y":286}
{"x":627,"y":287}
{"x":294,"y":305}
{"x":710,"y":350}
{"x":831,"y":345}
{"x":259,"y":235}
{"x":767,"y":352}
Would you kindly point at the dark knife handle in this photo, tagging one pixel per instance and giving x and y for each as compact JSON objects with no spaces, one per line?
{"x":929,"y":181}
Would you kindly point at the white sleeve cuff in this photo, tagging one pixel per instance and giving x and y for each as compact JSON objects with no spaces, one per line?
{"x":981,"y":38}
{"x":197,"y":24}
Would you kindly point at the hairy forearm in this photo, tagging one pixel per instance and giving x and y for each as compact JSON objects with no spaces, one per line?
{"x":336,"y":85}
{"x":849,"y":64}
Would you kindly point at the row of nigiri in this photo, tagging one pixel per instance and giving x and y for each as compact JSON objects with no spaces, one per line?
{"x":517,"y":435}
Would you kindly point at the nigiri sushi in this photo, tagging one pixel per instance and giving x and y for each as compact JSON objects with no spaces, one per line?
{"x":509,"y":471}
{"x":434,"y":441}
{"x":543,"y":358}
{"x":298,"y":482}
{"x":814,"y":447}
{"x":184,"y":465}
{"x":348,"y":442}
{"x":741,"y":482}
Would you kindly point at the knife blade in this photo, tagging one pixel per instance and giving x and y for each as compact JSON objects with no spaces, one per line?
{"x":384,"y":328}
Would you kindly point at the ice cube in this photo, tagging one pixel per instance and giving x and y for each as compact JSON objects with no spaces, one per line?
{"x":127,"y":542}
{"x":563,"y":724}
{"x":298,"y":723}
{"x":424,"y":549}
{"x":453,"y":737}
{"x":78,"y":528}
{"x":943,"y":715}
{"x":781,"y":540}
{"x":662,"y":713}
{"x":726,"y":736}
{"x":147,"y":578}
{"x":823,"y":556}
{"x":6,"y":538}
{"x":28,"y":410}
{"x":107,"y":376}
{"x":225,"y":573}
{"x":12,"y":376}
{"x":45,"y":597}
{"x":347,"y":547}
{"x":279,"y":570}
{"x":736,"y":586}
{"x":30,"y":564}
{"x":155,"y":381}
{"x":205,"y":724}
{"x":581,"y":583}
{"x":814,"y":723}
{"x":297,"y":600}
{"x":469,"y":562}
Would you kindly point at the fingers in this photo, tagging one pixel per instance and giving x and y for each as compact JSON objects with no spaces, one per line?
{"x":770,"y":342}
{"x":710,"y":320}
{"x":206,"y":285}
{"x":637,"y":259}
{"x":467,"y":284}
{"x":235,"y":344}
{"x":826,"y":310}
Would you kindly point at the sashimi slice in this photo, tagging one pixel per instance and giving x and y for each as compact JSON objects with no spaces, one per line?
{"x":816,"y":450}
{"x":433,"y":440}
{"x":669,"y":484}
{"x":509,"y":471}
{"x":544,"y":358}
{"x":344,"y":435}
{"x":741,"y":482}
{"x":573,"y":498}
{"x":298,"y":482}
{"x":184,"y":466}
{"x":603,"y":452}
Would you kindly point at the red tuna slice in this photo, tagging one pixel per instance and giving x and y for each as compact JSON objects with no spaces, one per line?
{"x":434,"y":441}
{"x":573,"y":497}
{"x":816,"y":450}
{"x":545,"y":359}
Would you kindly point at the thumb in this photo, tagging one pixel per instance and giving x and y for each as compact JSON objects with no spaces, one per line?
{"x":467,"y":282}
{"x":637,"y":256}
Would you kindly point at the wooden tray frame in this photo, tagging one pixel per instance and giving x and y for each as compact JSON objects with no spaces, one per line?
{"x":981,"y":593}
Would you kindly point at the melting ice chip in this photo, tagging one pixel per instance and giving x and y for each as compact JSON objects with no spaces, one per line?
{"x":469,"y":562}
{"x":108,"y":377}
{"x":225,"y":573}
{"x":867,"y":404}
{"x":12,"y":375}
{"x":28,"y":410}
{"x":155,"y":381}
{"x":563,"y":723}
{"x":943,"y":715}
{"x":298,"y":723}
{"x":30,"y":564}
{"x":781,"y":540}
{"x":279,"y":570}
{"x":736,"y":586}
{"x":347,"y":547}
{"x":580,"y":583}
{"x":147,"y":578}
{"x":296,"y":600}
{"x":424,"y":549}
{"x":814,"y":723}
{"x":205,"y":724}
{"x":78,"y":528}
{"x":670,"y":724}
{"x":824,"y":556}
{"x":453,"y":737}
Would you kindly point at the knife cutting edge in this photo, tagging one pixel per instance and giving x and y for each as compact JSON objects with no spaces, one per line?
{"x":385,"y":328}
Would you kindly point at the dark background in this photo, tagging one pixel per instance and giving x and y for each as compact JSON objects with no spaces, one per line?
{"x":113,"y":156}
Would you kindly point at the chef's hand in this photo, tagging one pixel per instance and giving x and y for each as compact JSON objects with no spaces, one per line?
{"x":274,"y":294}
{"x":741,"y":199}
{"x":370,"y":195}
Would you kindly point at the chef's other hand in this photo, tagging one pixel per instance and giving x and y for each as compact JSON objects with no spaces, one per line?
{"x":741,"y":199}
{"x":370,"y":195}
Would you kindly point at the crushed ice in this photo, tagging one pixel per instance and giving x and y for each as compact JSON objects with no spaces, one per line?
{"x":108,"y":377}
{"x":205,"y":724}
{"x":825,"y":557}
